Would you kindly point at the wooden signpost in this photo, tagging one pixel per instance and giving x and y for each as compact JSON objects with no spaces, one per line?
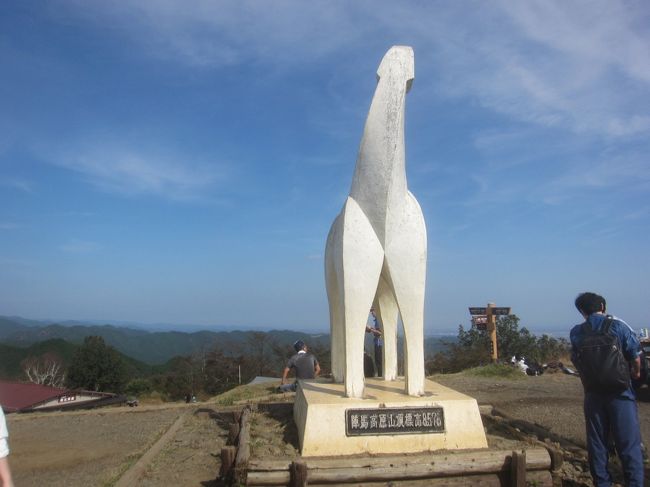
{"x":485,"y":320}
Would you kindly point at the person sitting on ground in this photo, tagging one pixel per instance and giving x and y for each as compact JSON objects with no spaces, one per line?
{"x":305,"y":364}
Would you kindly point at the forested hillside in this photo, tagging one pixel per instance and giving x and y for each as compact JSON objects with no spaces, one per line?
{"x":150,"y":347}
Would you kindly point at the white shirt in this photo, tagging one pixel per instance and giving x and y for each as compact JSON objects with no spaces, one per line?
{"x":4,"y":435}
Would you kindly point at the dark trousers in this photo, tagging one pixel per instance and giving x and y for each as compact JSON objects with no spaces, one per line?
{"x":617,"y":416}
{"x":379,"y":357}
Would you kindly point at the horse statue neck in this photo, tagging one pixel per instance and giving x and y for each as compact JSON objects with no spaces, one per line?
{"x":379,"y":182}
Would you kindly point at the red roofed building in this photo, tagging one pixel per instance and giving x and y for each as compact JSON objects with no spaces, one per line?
{"x":27,"y":397}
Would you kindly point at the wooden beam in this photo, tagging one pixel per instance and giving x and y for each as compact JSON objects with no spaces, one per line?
{"x":447,"y":463}
{"x":539,"y":478}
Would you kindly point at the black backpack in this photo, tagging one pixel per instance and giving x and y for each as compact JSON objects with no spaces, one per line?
{"x":601,"y":363}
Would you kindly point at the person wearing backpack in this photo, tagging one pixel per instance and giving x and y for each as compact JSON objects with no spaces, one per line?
{"x":605,"y":350}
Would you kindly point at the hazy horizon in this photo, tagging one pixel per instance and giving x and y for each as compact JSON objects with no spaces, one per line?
{"x":190,"y":327}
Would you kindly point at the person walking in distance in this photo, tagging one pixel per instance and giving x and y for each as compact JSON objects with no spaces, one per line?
{"x":606,"y":351}
{"x":305,"y":364}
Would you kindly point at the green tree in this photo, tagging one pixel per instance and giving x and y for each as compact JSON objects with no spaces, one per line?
{"x":97,"y":367}
{"x":221,"y":372}
{"x":473,"y":345}
{"x":138,"y":386}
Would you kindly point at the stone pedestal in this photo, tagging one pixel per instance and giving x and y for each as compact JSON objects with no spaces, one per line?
{"x":385,"y":420}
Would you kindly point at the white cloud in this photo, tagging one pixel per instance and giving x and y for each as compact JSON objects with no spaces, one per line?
{"x":638,"y":214}
{"x":76,"y":246}
{"x":204,"y":33}
{"x":625,"y":173}
{"x":582,"y":66}
{"x":19,"y":184}
{"x":551,"y":65}
{"x":576,"y":66}
{"x":131,"y":172}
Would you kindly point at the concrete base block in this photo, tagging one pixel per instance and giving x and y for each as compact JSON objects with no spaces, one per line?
{"x":328,"y":422}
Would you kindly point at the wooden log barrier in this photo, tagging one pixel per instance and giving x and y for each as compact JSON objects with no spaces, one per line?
{"x":227,"y":461}
{"x":405,"y":467}
{"x":297,"y":474}
{"x":243,"y":447}
{"x":236,"y":416}
{"x":233,"y":434}
{"x":518,"y":469}
{"x":539,"y":478}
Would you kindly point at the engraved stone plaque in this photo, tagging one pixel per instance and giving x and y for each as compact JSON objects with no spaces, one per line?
{"x":394,"y":421}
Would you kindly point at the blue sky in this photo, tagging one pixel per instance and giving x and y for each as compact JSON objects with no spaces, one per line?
{"x":182,"y":162}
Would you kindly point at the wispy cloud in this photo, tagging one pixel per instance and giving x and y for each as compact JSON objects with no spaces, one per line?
{"x":550,"y":63}
{"x":203,"y":33}
{"x":638,"y":214}
{"x":582,"y":66}
{"x":133,"y":172}
{"x":627,"y":172}
{"x":76,"y":246}
{"x":19,"y":184}
{"x":8,"y":226}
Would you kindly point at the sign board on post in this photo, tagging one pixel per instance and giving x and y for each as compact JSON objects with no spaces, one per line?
{"x":500,"y":311}
{"x":480,"y":322}
{"x":485,"y":320}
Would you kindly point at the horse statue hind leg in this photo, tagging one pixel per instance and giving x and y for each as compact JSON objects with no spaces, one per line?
{"x":379,"y":234}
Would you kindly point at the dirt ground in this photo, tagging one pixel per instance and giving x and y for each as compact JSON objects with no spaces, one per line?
{"x":192,"y":457}
{"x":97,"y":447}
{"x":552,"y":401}
{"x":81,"y":448}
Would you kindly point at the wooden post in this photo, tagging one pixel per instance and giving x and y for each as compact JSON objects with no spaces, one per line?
{"x":244,"y":447}
{"x":557,"y":459}
{"x":227,"y":461}
{"x":236,"y":416}
{"x":518,"y":469}
{"x":492,"y":328}
{"x":298,"y":474}
{"x":233,"y":434}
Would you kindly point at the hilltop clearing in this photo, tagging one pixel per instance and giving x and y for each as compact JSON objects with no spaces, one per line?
{"x":98,"y":447}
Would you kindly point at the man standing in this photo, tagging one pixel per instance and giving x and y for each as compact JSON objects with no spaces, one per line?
{"x":305,"y":364}
{"x":614,"y":412}
{"x":375,"y":329}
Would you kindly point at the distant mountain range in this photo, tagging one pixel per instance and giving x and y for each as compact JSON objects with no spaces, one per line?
{"x":145,"y":346}
{"x":157,"y":347}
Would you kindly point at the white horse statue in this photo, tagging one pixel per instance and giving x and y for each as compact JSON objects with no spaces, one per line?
{"x":377,"y":247}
